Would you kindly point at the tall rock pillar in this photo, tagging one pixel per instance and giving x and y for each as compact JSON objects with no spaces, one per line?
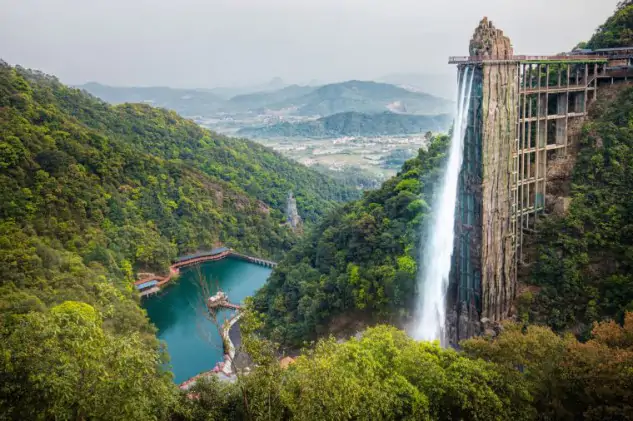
{"x":500,"y":101}
{"x":483,"y":280}
{"x":292,"y":215}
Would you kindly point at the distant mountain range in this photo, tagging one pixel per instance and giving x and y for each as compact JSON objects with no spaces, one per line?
{"x":363,"y":97}
{"x":354,"y":124}
{"x":259,"y":101}
{"x":358,"y":96}
{"x":229,"y":92}
{"x":441,"y":84}
{"x":186,"y":102}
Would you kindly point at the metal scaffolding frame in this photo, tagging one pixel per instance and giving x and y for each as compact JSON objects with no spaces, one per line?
{"x":553,"y":97}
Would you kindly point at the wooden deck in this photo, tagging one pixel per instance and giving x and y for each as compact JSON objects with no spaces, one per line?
{"x":174,"y":269}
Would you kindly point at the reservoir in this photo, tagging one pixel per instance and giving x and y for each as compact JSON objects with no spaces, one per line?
{"x":193,"y":342}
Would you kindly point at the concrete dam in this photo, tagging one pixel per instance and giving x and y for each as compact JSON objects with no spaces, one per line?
{"x":524,"y":119}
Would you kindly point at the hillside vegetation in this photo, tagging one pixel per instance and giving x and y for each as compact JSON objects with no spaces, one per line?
{"x":355,"y":124}
{"x":524,"y":374}
{"x":617,"y":31}
{"x":92,"y":193}
{"x":586,"y":257}
{"x":361,"y":259}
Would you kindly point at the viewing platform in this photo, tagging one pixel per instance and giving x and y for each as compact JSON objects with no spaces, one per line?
{"x":221,"y":300}
{"x":150,"y":284}
{"x":256,"y":260}
{"x":565,"y":58}
{"x":203,"y":256}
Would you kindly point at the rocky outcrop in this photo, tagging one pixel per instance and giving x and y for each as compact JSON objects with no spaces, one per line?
{"x":499,"y":132}
{"x":489,"y":41}
{"x":483,"y":278}
{"x":292,"y":215}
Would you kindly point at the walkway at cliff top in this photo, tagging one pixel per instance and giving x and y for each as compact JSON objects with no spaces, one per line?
{"x":150,"y":284}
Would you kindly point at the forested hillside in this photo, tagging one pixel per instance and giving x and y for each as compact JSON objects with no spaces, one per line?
{"x":524,"y":374}
{"x":257,"y":170}
{"x":355,"y":124}
{"x":585,"y":265}
{"x":617,"y":31}
{"x":92,"y":193}
{"x":361,"y":259}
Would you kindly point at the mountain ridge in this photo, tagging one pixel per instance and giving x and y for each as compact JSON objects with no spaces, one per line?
{"x":353,"y":123}
{"x":333,"y":98}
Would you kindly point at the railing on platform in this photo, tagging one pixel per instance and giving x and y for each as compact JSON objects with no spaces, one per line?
{"x":194,"y":259}
{"x":482,"y":59}
{"x":255,"y":260}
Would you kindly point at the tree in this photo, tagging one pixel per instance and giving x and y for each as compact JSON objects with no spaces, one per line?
{"x":61,"y":364}
{"x":387,"y":375}
{"x":568,"y":379}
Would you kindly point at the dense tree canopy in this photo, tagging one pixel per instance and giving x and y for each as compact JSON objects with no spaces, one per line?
{"x":92,"y":193}
{"x":568,"y":379}
{"x":63,"y":365}
{"x":585,"y":263}
{"x":384,"y":375}
{"x":362,"y":258}
{"x":617,"y":31}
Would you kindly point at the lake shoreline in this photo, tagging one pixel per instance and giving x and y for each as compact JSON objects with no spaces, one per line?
{"x":194,"y":343}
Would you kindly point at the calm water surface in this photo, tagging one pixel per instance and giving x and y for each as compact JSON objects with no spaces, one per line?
{"x":193,"y":342}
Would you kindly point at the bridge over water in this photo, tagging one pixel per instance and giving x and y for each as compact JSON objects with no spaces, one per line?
{"x":150,"y":284}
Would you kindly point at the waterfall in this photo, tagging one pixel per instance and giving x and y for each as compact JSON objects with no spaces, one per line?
{"x":437,"y":253}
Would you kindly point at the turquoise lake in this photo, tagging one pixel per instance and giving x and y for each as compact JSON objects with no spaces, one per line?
{"x":193,"y":342}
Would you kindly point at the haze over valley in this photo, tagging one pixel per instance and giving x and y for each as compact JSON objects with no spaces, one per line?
{"x":348,"y":126}
{"x":282,"y":210}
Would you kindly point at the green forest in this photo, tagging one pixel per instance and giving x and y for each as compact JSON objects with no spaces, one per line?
{"x":523,"y":374}
{"x":585,"y":259}
{"x":92,"y":193}
{"x":617,"y":31}
{"x":361,"y":259}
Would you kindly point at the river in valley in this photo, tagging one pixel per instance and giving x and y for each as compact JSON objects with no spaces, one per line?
{"x":193,"y":342}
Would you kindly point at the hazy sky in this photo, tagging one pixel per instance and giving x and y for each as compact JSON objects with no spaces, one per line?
{"x":207,"y":43}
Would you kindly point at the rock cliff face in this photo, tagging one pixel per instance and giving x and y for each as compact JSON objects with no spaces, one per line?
{"x":483,"y":277}
{"x":489,"y":41}
{"x":499,"y":132}
{"x":292,"y":215}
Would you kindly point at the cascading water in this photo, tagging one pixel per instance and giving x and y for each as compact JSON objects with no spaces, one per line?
{"x":433,"y":278}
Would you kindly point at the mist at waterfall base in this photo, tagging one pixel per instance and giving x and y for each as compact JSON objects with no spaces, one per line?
{"x":436,"y":254}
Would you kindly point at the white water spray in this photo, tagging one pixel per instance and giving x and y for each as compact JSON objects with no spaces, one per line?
{"x":433,"y":278}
